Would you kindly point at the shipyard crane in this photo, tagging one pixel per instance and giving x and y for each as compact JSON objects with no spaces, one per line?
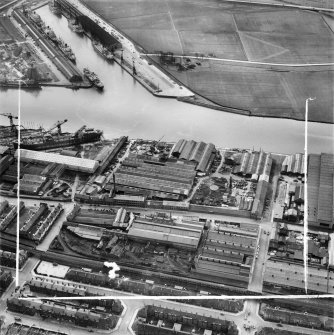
{"x":11,"y":117}
{"x":79,"y":131}
{"x":154,"y":145}
{"x":56,"y":125}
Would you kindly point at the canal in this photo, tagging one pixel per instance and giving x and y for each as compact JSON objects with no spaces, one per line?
{"x":126,"y":108}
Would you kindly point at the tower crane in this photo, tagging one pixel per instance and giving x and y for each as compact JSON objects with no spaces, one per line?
{"x":11,"y":117}
{"x":56,"y":125}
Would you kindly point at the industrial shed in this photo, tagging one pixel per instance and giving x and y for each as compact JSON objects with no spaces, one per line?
{"x":187,"y":238}
{"x":71,"y":163}
{"x":320,"y":190}
{"x":199,"y":152}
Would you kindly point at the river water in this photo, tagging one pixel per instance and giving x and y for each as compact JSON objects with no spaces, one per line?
{"x":126,"y":108}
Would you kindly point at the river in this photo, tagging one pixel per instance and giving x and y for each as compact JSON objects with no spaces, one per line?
{"x":126,"y":108}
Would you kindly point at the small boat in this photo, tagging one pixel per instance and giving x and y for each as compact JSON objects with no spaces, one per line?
{"x":93,"y":78}
{"x":55,"y":8}
{"x":75,"y":26}
{"x":67,"y":51}
{"x":103,"y":51}
{"x":98,"y":83}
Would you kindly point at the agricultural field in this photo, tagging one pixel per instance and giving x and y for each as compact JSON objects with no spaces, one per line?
{"x":218,"y":32}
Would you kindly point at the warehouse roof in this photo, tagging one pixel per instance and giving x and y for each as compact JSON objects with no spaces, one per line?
{"x":199,"y":152}
{"x":320,"y":188}
{"x":74,"y":163}
{"x":3,"y":149}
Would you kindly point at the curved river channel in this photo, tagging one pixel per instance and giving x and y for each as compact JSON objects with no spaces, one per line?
{"x":126,"y":108}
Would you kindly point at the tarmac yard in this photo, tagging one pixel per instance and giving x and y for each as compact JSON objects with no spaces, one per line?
{"x":225,"y":32}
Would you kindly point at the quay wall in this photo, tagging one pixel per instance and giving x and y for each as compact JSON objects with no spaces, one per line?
{"x":70,"y":72}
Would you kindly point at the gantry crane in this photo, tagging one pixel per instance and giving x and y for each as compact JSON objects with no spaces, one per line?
{"x":11,"y":117}
{"x":56,"y":125}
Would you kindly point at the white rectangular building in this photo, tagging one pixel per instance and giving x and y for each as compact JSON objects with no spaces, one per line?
{"x":71,"y":163}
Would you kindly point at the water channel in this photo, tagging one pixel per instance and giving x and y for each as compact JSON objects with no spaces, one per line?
{"x":126,"y":108}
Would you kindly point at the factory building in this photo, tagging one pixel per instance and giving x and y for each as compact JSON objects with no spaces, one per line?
{"x":227,"y":254}
{"x":171,"y":179}
{"x":252,"y":164}
{"x":290,"y":275}
{"x":320,"y":190}
{"x":31,"y":184}
{"x":199,"y":152}
{"x":5,"y":162}
{"x":71,"y":163}
{"x":261,"y":189}
{"x":293,"y":165}
{"x":186,"y":236}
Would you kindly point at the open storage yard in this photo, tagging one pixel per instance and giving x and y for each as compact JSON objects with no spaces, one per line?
{"x":222,"y":33}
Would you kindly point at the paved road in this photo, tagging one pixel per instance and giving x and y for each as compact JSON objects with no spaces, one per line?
{"x":246,"y":62}
{"x":275,"y":3}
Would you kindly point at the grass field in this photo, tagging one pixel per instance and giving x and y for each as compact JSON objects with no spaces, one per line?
{"x":238,"y":32}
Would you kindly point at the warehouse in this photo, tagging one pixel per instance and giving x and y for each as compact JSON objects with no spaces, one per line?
{"x":71,"y":163}
{"x":166,"y":180}
{"x":199,"y":152}
{"x":293,"y":165}
{"x":320,"y":190}
{"x":228,"y":254}
{"x":31,"y":184}
{"x":143,"y":229}
{"x":290,"y":275}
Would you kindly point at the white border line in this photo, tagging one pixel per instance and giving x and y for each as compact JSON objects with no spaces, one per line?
{"x":18,"y":189}
{"x":306,"y":197}
{"x":196,"y":297}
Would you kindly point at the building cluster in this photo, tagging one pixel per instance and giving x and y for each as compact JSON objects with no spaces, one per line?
{"x":146,"y":175}
{"x":289,"y":245}
{"x":164,"y":321}
{"x":5,"y":159}
{"x":54,"y":287}
{"x":285,"y":268}
{"x":270,"y":313}
{"x":200,"y":153}
{"x":8,"y":213}
{"x":111,"y":219}
{"x":8,"y":258}
{"x":63,"y":311}
{"x":5,"y":280}
{"x":39,"y":222}
{"x":20,"y":329}
{"x":289,"y":205}
{"x":228,"y":252}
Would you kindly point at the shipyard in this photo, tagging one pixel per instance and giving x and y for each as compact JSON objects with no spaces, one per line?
{"x":166,"y":167}
{"x":184,"y":218}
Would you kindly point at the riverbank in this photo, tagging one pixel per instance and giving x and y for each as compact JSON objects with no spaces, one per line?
{"x":273,"y":69}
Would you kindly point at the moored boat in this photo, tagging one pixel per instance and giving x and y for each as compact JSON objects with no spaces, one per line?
{"x":103,"y":51}
{"x":75,"y":26}
{"x":93,"y":78}
{"x":55,"y":8}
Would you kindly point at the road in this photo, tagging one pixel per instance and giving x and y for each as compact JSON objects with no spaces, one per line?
{"x":276,"y":3}
{"x":246,"y":62}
